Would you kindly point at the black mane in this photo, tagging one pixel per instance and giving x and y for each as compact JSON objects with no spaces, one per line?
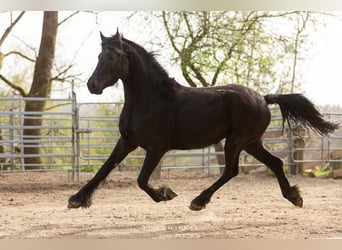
{"x":147,"y":58}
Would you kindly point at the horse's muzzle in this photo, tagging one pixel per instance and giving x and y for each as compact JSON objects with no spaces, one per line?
{"x":93,"y":87}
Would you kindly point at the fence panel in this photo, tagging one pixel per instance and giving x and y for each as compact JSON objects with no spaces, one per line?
{"x":80,"y":136}
{"x":56,"y":140}
{"x":317,"y":150}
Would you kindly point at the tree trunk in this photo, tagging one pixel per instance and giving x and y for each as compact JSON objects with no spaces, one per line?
{"x":41,"y":87}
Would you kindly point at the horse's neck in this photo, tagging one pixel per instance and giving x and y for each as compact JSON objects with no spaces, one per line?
{"x":146,"y":79}
{"x":140,"y":90}
{"x":134,"y":89}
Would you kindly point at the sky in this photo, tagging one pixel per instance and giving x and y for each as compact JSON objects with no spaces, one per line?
{"x":320,"y":71}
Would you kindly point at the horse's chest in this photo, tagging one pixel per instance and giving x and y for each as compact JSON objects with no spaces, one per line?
{"x":136,"y":127}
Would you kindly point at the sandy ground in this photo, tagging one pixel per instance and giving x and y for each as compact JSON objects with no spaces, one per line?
{"x":34,"y":205}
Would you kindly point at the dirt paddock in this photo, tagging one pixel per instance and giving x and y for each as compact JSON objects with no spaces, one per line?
{"x":34,"y":205}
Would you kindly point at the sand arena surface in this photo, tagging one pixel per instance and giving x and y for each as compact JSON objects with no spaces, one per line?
{"x":34,"y":205}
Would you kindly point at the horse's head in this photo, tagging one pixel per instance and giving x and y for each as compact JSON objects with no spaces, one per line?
{"x":112,"y":64}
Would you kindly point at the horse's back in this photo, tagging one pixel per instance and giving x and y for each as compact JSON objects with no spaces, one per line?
{"x":211,"y":114}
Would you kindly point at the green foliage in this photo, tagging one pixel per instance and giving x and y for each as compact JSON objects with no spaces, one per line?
{"x":89,"y":168}
{"x":253,"y":48}
{"x":323,"y":171}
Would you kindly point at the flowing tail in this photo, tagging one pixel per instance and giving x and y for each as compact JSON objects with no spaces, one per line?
{"x":301,"y":111}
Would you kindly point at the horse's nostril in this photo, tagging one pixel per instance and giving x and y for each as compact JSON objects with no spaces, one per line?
{"x":91,"y":85}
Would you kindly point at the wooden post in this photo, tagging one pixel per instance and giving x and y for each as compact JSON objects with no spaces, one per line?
{"x":2,"y":148}
{"x":298,"y":145}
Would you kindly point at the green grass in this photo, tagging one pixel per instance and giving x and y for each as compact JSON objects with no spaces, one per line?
{"x":324,"y":171}
{"x":89,"y":168}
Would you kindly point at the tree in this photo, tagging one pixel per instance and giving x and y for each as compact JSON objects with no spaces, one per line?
{"x":3,"y":55}
{"x":46,"y":71}
{"x":234,"y":47}
{"x":6,"y":33}
{"x":41,"y":87}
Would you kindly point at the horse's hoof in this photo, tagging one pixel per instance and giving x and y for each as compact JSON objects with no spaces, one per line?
{"x":299,"y":202}
{"x":293,"y":195}
{"x":166,"y":193}
{"x":169,"y":194}
{"x":195,"y":207}
{"x":199,"y":202}
{"x":74,"y":204}
{"x":78,"y":200}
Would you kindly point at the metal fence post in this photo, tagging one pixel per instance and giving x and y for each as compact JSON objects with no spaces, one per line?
{"x":75,"y":137}
{"x":21,"y":135}
{"x":12,"y":149}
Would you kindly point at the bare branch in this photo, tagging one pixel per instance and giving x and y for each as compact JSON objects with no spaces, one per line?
{"x":187,"y":75}
{"x":187,"y":22}
{"x":56,"y":106}
{"x":132,"y":15}
{"x":173,"y":43}
{"x":10,"y":27}
{"x":21,"y":55}
{"x":62,"y":74}
{"x":67,"y":18}
{"x":30,"y":47}
{"x":221,"y":65}
{"x":13,"y":86}
{"x":300,"y":29}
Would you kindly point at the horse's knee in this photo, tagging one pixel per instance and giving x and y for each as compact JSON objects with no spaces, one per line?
{"x":230,"y":173}
{"x":235,"y":171}
{"x":276,"y":166}
{"x":278,"y":162}
{"x":142,"y":183}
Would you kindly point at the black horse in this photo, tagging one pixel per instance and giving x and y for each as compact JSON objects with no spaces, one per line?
{"x":159,"y":115}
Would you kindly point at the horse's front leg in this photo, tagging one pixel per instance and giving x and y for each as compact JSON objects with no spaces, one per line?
{"x":83,"y":197}
{"x":151,"y":161}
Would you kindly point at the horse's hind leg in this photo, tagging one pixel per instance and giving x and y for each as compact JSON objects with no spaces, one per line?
{"x":276,"y":165}
{"x":232,"y":152}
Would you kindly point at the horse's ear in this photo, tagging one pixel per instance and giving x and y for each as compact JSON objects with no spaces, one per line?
{"x":102,"y":36}
{"x":118,"y":35}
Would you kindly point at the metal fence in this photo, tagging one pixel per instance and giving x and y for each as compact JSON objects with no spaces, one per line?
{"x":79,"y":137}
{"x":56,"y":140}
{"x":318,"y":150}
{"x":99,"y":132}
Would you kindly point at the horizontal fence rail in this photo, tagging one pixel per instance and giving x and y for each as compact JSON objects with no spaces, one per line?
{"x":77,"y":137}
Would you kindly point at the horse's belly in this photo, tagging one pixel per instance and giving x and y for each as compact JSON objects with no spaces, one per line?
{"x":200,"y":135}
